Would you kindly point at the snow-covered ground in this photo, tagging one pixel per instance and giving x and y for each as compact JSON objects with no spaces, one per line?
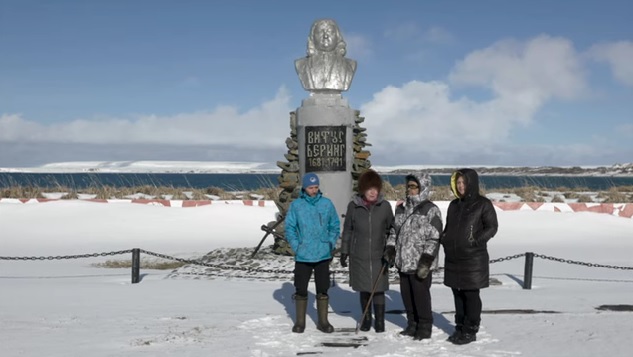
{"x":71,"y":308}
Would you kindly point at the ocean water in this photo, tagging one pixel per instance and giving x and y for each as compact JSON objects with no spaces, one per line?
{"x":239,"y":182}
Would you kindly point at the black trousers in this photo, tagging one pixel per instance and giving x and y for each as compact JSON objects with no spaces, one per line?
{"x":416,"y":297}
{"x":467,"y":307}
{"x":377,"y":299}
{"x":303,"y":273}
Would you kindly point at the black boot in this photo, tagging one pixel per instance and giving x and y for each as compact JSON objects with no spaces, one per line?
{"x":423,"y":331}
{"x":458,"y":331}
{"x":468,"y":335}
{"x":379,"y":311}
{"x":366,"y":323}
{"x":322,"y":306}
{"x":301,"y":304}
{"x":411,"y":325}
{"x":459,"y":327}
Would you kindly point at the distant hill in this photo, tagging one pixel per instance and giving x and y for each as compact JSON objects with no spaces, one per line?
{"x":614,"y":170}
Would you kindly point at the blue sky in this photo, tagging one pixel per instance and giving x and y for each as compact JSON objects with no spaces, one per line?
{"x":486,"y":82}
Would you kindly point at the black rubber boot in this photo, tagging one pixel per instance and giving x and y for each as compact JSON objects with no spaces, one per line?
{"x":366,"y":323}
{"x":379,"y":324}
{"x":411,"y":325}
{"x":423,"y":331}
{"x":458,"y":331}
{"x":301,"y":304}
{"x":322,"y":310}
{"x":459,"y":327}
{"x":468,"y":335}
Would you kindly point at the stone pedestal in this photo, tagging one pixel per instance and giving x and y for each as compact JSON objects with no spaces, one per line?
{"x":325,"y":136}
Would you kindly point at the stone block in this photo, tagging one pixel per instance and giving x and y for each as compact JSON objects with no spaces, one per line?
{"x":362,"y":155}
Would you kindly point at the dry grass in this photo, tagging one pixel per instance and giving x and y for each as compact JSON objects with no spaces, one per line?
{"x":579,"y":197}
{"x":268,"y":193}
{"x":22,"y":192}
{"x":623,"y":194}
{"x":391,"y":192}
{"x":615,"y":195}
{"x":442,"y":193}
{"x":529,"y":193}
{"x":145,"y":264}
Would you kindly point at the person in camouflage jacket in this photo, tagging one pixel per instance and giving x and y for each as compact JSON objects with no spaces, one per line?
{"x":413,"y":247}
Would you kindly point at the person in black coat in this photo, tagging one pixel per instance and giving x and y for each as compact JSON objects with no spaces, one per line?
{"x":365,"y":230}
{"x":471,"y":221}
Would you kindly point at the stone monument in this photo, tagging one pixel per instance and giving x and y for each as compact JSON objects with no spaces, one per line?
{"x":325,"y":133}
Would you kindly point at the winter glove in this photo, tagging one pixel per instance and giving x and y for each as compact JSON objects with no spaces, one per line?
{"x":344,"y":260}
{"x":389,"y":257}
{"x":424,"y":266}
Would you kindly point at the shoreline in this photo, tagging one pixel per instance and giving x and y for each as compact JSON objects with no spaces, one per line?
{"x":260,"y":168}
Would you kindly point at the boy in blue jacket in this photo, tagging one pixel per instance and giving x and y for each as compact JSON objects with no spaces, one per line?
{"x":312,"y":228}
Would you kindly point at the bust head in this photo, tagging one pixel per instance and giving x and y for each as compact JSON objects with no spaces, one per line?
{"x":325,"y":36}
{"x":325,"y":68}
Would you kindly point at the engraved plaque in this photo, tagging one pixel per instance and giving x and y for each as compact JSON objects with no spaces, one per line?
{"x":325,"y":148}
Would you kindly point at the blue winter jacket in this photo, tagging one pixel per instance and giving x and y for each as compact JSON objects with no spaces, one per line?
{"x":312,"y":228}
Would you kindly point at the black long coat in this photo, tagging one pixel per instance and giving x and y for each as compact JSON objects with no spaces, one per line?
{"x":365,"y":233}
{"x":471,"y":221}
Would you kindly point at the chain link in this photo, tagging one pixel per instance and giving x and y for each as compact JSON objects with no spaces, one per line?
{"x":61,"y":257}
{"x":492,"y":261}
{"x":569,"y":261}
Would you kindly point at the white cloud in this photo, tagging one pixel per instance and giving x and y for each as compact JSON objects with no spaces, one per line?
{"x":421,"y":117}
{"x":530,"y":72}
{"x":262,"y":126}
{"x":424,"y":118}
{"x":619,"y":55}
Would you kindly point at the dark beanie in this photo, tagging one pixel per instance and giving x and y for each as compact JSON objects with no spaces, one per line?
{"x":369,"y":179}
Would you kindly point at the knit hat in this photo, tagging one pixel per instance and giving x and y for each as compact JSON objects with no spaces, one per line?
{"x":369,"y":179}
{"x":310,"y":179}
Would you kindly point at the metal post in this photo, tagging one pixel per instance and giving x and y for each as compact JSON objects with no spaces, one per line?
{"x":527,"y":276}
{"x":333,"y":278}
{"x":136,"y":265}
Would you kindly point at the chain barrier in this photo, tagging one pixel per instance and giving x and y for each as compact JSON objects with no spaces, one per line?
{"x":569,"y":261}
{"x":282,"y":271}
{"x":62,"y":257}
